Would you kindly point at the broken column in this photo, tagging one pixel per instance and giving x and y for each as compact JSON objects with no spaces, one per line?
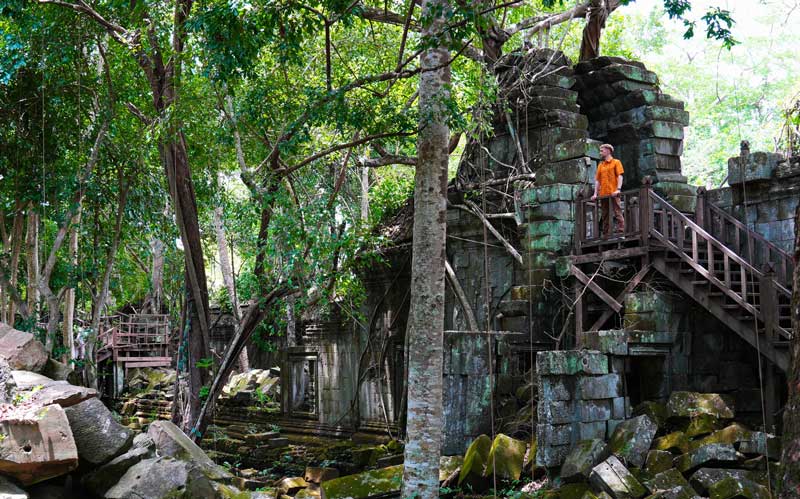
{"x":578,"y":399}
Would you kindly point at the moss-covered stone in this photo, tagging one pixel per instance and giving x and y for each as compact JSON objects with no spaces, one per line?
{"x":364,"y":485}
{"x":229,"y":492}
{"x":731,"y":434}
{"x":702,"y":479}
{"x":505,"y":458}
{"x":613,"y":477}
{"x":730,"y":487}
{"x":702,"y":424}
{"x":666,"y":480}
{"x":367,"y":456}
{"x":656,"y":411}
{"x":692,"y":404}
{"x":291,"y":485}
{"x":573,"y":491}
{"x":708,"y":456}
{"x":762,"y":443}
{"x":658,"y":461}
{"x":676,"y":442}
{"x":582,"y":458}
{"x":632,"y":438}
{"x":308,"y":494}
{"x":475,"y":459}
{"x":571,"y":362}
{"x":394,"y":446}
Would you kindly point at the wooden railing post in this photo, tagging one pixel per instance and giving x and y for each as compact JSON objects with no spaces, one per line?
{"x":769,"y":313}
{"x":769,"y":302}
{"x":580,"y":220}
{"x":700,"y":211}
{"x":645,"y":210}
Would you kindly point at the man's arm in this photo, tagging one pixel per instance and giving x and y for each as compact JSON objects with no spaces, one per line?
{"x":619,"y":185}
{"x":596,"y":189}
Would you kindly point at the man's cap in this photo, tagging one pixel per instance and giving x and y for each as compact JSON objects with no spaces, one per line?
{"x":607,"y":146}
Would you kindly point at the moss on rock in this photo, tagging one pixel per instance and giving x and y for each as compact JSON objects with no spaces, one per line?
{"x":702,"y":424}
{"x":366,"y":484}
{"x":676,"y":442}
{"x":475,"y":459}
{"x":505,"y":458}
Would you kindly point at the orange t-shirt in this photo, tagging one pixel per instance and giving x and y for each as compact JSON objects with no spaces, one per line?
{"x":607,"y":174}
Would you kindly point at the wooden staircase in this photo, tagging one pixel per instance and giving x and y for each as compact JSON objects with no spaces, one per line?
{"x":732,"y":272}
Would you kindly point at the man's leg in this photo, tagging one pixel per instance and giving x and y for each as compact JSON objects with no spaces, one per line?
{"x":620,"y":225}
{"x":605,"y":216}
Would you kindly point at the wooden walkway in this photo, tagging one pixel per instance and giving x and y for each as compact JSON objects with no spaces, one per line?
{"x":735,"y":274}
{"x":141,"y":340}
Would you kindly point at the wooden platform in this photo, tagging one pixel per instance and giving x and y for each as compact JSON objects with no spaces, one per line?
{"x":141,"y":340}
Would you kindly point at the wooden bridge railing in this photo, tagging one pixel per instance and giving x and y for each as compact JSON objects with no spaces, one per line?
{"x":588,"y":227}
{"x":139,"y":333}
{"x":757,"y":249}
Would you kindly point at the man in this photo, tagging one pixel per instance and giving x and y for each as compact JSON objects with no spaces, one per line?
{"x":607,"y":184}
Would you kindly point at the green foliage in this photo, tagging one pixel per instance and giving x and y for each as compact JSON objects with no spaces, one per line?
{"x":294,"y":113}
{"x":204,"y":363}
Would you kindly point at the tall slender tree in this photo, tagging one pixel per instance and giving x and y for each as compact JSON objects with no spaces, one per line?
{"x":424,"y":420}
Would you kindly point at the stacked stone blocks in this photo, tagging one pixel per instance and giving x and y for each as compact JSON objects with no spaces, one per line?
{"x":580,"y":399}
{"x":626,"y":108}
{"x":771,"y":184}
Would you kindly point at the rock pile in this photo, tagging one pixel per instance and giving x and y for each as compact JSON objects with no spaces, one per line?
{"x":686,"y":448}
{"x":59,"y":440}
{"x":150,"y":393}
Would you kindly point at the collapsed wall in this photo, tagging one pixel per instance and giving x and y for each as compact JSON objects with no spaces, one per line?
{"x":763,"y":192}
{"x":626,"y":108}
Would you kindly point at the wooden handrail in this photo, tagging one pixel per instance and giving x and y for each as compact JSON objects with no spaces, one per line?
{"x":711,"y":241}
{"x":705,"y":235}
{"x":785,"y":262}
{"x":585,"y":205}
{"x":770,"y":314}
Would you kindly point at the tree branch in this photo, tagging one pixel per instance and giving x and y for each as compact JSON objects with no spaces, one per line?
{"x":470,"y":207}
{"x":535,"y":24}
{"x":461,"y":296}
{"x":339,"y":147}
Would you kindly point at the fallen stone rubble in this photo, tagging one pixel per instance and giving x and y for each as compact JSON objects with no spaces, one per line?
{"x":689,"y":447}
{"x":58,"y":440}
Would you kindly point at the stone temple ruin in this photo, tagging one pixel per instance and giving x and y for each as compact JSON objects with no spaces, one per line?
{"x":699,"y":284}
{"x":552,"y":329}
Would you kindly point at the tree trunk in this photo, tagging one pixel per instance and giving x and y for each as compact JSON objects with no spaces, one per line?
{"x":53,"y":318}
{"x":156,"y":275}
{"x":176,"y":165}
{"x":226,"y":268}
{"x":790,"y":481}
{"x":32,"y":260}
{"x":69,"y":297}
{"x":365,"y":195}
{"x":424,"y":421}
{"x":12,"y":244}
{"x":599,"y":10}
{"x":90,"y":373}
